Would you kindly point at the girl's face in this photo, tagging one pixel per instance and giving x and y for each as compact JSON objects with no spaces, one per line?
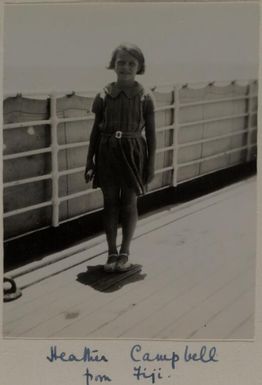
{"x":126,"y":66}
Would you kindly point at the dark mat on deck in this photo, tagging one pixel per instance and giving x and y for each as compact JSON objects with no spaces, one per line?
{"x":98,"y":279}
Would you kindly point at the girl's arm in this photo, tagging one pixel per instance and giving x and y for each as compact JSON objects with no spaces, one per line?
{"x":94,"y":136}
{"x":93,"y":143}
{"x":150,"y":138}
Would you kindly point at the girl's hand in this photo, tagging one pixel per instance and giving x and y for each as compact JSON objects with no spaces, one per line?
{"x":89,"y":172}
{"x":89,"y":175}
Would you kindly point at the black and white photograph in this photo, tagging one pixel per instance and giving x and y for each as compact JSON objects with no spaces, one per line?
{"x":129,"y":170}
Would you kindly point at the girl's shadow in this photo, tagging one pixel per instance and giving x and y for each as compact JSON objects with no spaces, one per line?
{"x":98,"y":279}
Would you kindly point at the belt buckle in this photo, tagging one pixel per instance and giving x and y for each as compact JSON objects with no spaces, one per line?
{"x":118,"y":134}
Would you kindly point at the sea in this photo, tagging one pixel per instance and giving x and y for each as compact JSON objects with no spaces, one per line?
{"x":36,"y":80}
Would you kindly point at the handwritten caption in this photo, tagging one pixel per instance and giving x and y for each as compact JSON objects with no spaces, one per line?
{"x":146,"y":367}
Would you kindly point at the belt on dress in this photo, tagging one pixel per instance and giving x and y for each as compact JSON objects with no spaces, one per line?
{"x":121,"y":134}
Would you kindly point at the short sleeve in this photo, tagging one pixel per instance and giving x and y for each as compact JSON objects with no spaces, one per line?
{"x":97,"y":106}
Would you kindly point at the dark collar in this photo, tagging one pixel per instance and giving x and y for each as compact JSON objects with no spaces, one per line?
{"x":114,"y":90}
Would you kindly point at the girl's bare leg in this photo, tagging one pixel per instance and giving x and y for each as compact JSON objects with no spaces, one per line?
{"x":129,"y":216}
{"x":111,"y":216}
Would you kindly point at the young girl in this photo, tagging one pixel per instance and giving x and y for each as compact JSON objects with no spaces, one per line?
{"x":119,"y":157}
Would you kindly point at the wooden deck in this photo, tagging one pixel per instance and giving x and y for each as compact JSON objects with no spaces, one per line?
{"x":197,"y":281}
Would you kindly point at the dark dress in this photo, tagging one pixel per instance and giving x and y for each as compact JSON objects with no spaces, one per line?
{"x":122,"y":161}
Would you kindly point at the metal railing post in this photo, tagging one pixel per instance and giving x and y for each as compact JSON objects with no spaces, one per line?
{"x":249,"y":120}
{"x":55,"y":171}
{"x":175,"y":133}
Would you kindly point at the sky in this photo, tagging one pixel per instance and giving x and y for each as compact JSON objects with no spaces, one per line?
{"x":68,"y":46}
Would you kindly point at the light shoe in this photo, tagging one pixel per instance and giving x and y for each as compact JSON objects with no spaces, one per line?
{"x":122,"y":263}
{"x":110,"y":265}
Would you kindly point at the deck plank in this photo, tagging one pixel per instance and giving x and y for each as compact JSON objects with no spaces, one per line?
{"x":172,"y":303}
{"x":190,"y":325}
{"x":229,"y":320}
{"x":130,"y":293}
{"x":199,"y":262}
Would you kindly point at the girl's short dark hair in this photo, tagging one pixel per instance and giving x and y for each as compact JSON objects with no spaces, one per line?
{"x":134,"y":51}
